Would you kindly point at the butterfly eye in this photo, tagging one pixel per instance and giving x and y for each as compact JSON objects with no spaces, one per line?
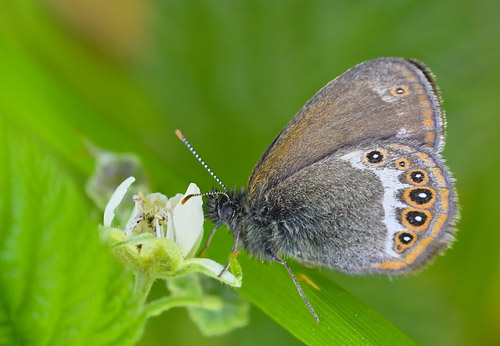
{"x":419,"y":197}
{"x":404,"y":240}
{"x":416,"y":220}
{"x":226,"y":212}
{"x":417,"y":177}
{"x":375,"y":157}
{"x":402,"y":164}
{"x":399,"y":90}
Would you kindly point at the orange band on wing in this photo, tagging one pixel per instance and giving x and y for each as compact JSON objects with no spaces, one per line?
{"x":427,"y":112}
{"x":427,"y":160}
{"x":438,"y":225}
{"x":445,"y":204}
{"x":429,"y":138}
{"x":418,"y":250}
{"x":417,"y":88}
{"x":428,"y":123}
{"x":438,"y":176}
{"x":391,"y":265}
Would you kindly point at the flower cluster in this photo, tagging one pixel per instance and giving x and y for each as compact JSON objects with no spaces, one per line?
{"x":162,"y":235}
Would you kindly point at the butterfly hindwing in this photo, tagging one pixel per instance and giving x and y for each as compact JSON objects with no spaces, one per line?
{"x":381,"y":206}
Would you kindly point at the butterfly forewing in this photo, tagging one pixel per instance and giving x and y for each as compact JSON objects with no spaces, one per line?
{"x":378,"y":99}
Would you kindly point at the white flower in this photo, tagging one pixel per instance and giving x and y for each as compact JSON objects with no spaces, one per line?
{"x":162,"y":235}
{"x":162,"y":217}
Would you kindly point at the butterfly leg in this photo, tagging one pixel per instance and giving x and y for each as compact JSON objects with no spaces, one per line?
{"x":279,"y":260}
{"x":209,"y":239}
{"x":235,"y":244}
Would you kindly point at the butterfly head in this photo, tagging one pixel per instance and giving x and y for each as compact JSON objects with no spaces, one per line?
{"x":224,"y":208}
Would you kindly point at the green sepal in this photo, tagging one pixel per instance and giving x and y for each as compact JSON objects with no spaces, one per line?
{"x":208,"y":267}
{"x":144,"y":253}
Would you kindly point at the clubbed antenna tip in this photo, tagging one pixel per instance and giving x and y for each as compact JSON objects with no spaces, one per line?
{"x":179,"y":134}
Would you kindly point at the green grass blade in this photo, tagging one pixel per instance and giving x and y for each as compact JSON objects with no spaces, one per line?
{"x":345,"y":320}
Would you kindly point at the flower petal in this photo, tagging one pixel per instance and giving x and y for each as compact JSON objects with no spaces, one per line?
{"x":172,"y":202}
{"x":188,"y":221}
{"x":114,"y":201}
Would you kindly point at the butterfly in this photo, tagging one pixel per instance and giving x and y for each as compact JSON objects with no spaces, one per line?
{"x":355,"y":182}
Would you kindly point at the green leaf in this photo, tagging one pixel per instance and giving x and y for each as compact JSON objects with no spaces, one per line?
{"x":233,"y":311}
{"x":344,"y":318}
{"x":59,"y":284}
{"x":233,"y":314}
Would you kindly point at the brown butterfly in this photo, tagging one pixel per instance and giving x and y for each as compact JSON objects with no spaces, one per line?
{"x":355,"y":182}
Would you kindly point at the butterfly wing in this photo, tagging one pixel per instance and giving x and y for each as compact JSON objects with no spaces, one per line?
{"x":378,"y":99}
{"x":379,"y":207}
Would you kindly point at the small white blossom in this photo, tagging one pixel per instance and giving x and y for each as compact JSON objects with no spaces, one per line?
{"x":162,"y":235}
{"x":162,"y":217}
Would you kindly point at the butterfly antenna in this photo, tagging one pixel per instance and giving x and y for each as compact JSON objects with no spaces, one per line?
{"x":182,"y":138}
{"x":211,"y":193}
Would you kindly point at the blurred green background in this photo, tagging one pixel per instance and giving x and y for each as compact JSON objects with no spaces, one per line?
{"x":124,"y":74}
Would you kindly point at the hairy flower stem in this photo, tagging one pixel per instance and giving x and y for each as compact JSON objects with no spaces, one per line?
{"x":142,"y":286}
